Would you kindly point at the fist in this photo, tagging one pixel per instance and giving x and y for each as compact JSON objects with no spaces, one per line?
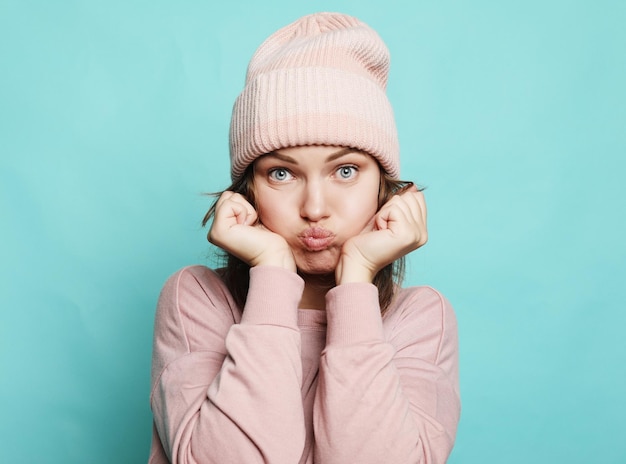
{"x":236,"y":230}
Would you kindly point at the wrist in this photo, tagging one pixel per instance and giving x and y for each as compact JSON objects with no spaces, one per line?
{"x":349,"y":271}
{"x":284,"y":260}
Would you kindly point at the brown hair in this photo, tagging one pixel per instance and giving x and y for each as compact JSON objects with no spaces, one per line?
{"x":236,"y":272}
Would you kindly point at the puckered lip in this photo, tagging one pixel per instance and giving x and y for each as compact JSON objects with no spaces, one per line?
{"x":316,"y":238}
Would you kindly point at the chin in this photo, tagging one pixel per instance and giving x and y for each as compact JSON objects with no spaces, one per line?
{"x":317,"y":263}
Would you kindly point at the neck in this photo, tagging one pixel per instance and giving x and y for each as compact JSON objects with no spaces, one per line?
{"x":315,"y":288}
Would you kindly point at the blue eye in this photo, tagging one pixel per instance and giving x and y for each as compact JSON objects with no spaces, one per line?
{"x":347,"y":172}
{"x":279,"y":174}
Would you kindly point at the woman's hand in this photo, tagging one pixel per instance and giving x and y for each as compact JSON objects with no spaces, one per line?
{"x":398,"y":228}
{"x":236,"y":229}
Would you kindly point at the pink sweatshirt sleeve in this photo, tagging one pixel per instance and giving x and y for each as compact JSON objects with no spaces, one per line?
{"x":387,"y":393}
{"x":223,"y":391}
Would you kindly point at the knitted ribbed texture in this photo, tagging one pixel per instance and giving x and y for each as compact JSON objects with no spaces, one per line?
{"x":268,"y":301}
{"x":318,"y":81}
{"x":348,"y":320}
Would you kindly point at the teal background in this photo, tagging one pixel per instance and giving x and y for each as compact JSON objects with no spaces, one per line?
{"x":114,"y":118}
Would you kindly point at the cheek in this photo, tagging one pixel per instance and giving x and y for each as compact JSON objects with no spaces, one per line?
{"x":359,"y":211}
{"x":272,"y":213}
{"x":267,"y":215}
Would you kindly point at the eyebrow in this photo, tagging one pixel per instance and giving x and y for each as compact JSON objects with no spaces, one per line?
{"x":331,"y":157}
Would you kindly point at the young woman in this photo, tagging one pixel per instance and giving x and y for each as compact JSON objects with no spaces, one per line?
{"x":304,"y":348}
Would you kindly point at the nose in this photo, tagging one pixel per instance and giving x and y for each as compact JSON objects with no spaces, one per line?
{"x":314,"y":206}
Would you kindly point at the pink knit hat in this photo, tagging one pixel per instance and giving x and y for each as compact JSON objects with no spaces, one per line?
{"x":318,"y":81}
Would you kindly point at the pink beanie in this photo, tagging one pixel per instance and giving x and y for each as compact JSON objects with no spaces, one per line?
{"x":318,"y":81}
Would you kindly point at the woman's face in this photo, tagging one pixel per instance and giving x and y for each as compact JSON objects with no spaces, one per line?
{"x":316,"y":198}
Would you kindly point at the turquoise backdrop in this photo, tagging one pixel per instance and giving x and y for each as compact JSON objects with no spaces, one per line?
{"x":114,"y":119}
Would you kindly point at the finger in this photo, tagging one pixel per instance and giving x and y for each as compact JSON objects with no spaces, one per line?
{"x":392,"y":212}
{"x":421,"y":201}
{"x":417,"y":204}
{"x":251,"y":215}
{"x":407,"y":203}
{"x":236,"y":206}
{"x":244,"y":213}
{"x":405,"y":216}
{"x":223,"y":197}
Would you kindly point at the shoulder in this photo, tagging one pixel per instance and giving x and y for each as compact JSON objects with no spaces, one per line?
{"x":424,"y":299}
{"x":194,"y":273}
{"x":198,"y":282}
{"x":422,"y":316}
{"x":192,"y":292}
{"x":194,"y":313}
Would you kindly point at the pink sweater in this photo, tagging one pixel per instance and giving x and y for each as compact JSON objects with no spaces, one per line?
{"x":277,"y":384}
